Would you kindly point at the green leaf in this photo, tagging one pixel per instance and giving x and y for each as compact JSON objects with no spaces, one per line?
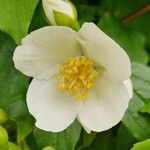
{"x":13,"y":84}
{"x":141,"y":80}
{"x":119,"y":10}
{"x":17,"y":109}
{"x":15,"y":17}
{"x":30,"y":140}
{"x":24,"y":128}
{"x":123,"y":139}
{"x":4,"y":146}
{"x":103,"y":141}
{"x":137,"y":123}
{"x":12,"y":146}
{"x":146,"y":108}
{"x":3,"y":136}
{"x":3,"y":116}
{"x":87,"y":139}
{"x":88,"y":13}
{"x":125,"y":37}
{"x":23,"y":145}
{"x":137,"y":24}
{"x":48,"y":148}
{"x":39,"y":19}
{"x":144,"y":145}
{"x":65,"y":140}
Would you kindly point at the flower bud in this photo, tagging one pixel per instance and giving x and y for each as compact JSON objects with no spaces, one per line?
{"x":48,"y":148}
{"x":3,"y":136}
{"x":3,"y":116}
{"x":60,"y":12}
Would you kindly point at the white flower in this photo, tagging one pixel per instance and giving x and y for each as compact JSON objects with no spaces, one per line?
{"x":59,"y":12}
{"x":83,"y":75}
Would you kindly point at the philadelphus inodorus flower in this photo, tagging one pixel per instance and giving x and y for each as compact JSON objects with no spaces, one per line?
{"x":60,"y":12}
{"x":83,"y":75}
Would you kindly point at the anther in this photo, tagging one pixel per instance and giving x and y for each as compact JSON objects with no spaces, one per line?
{"x":77,"y":76}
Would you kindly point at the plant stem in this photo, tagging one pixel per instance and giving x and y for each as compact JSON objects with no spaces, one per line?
{"x":138,"y":12}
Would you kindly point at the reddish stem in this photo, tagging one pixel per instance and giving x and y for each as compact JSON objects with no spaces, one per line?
{"x":137,"y":13}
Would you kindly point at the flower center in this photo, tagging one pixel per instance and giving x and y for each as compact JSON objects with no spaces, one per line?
{"x":77,"y":76}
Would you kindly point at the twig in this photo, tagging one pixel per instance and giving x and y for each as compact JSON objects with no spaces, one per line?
{"x":137,"y":13}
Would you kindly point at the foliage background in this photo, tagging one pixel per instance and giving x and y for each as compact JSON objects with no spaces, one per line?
{"x":20,"y":17}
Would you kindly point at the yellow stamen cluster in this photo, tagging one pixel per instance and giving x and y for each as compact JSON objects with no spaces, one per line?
{"x":77,"y":76}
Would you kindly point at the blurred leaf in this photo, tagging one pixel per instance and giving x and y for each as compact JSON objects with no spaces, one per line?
{"x":121,"y":9}
{"x":4,"y":147}
{"x":24,"y":127}
{"x":88,"y":10}
{"x":12,"y":146}
{"x":141,"y":80}
{"x":15,"y":17}
{"x":39,"y":19}
{"x":3,"y":116}
{"x":30,"y":140}
{"x":65,"y":140}
{"x":146,"y":108}
{"x":13,"y":84}
{"x":88,"y":13}
{"x":86,"y":2}
{"x":117,"y":138}
{"x":139,"y":124}
{"x":108,"y":6}
{"x":48,"y":148}
{"x":23,"y":145}
{"x":103,"y":141}
{"x":142,"y":24}
{"x":17,"y":109}
{"x":87,"y":139}
{"x":130,"y":40}
{"x":3,"y":136}
{"x":123,"y":140}
{"x":144,"y":145}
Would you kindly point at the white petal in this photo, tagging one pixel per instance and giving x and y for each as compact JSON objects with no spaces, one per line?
{"x":129,"y":87}
{"x":85,"y":128}
{"x":48,"y":12}
{"x":44,"y":49}
{"x":54,"y":110}
{"x":104,"y":51}
{"x":105,"y":106}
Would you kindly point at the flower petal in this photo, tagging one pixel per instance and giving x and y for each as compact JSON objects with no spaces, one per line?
{"x":85,"y":128}
{"x":105,"y":105}
{"x":44,"y":49}
{"x":57,"y":5}
{"x":54,"y":110}
{"x":129,"y":87}
{"x":104,"y":51}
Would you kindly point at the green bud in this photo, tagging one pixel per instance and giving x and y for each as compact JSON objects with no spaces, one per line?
{"x":3,"y":136}
{"x":63,"y":19}
{"x":3,"y":116}
{"x":60,"y":12}
{"x":48,"y":148}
